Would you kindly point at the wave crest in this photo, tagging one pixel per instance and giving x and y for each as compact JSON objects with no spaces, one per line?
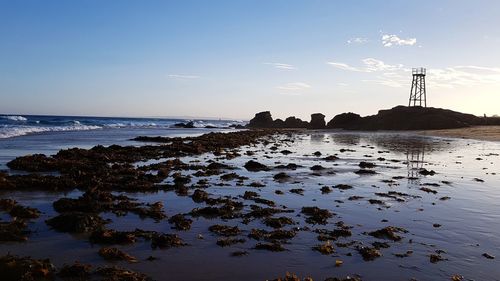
{"x":14,"y":117}
{"x":9,"y":132}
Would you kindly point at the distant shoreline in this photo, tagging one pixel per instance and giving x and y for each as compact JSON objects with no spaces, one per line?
{"x":487,"y":133}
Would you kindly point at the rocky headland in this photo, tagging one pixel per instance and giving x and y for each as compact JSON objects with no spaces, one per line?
{"x":397,"y":118}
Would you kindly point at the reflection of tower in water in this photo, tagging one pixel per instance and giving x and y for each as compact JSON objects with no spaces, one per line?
{"x":415,"y":162}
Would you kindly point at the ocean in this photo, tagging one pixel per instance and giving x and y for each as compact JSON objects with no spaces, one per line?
{"x":29,"y":134}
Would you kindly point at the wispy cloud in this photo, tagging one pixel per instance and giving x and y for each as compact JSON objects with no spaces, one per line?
{"x":295,"y":86}
{"x":182,"y":76}
{"x":281,"y":66}
{"x":398,"y":75}
{"x":357,"y":40}
{"x":389,"y":40}
{"x":344,"y":66}
{"x":369,"y":65}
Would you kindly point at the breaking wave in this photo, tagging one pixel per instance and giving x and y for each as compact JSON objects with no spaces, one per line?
{"x":14,"y":118}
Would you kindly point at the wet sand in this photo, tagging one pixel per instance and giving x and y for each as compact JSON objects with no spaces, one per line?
{"x":488,"y":133}
{"x":378,"y":205}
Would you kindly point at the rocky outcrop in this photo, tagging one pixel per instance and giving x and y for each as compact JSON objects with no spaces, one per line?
{"x":293,"y":122}
{"x":344,"y":120}
{"x":262,"y":120}
{"x":317,"y":121}
{"x":406,"y":118}
{"x":265,"y":120}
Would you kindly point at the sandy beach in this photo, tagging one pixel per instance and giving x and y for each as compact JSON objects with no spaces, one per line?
{"x":488,"y":133}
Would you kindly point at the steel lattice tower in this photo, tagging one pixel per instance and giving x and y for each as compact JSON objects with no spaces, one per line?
{"x":417,"y":93}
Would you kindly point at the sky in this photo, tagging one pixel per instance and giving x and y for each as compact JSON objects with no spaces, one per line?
{"x":231,"y":59}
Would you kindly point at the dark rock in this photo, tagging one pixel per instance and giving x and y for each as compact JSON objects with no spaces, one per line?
{"x":188,"y":125}
{"x":262,"y":120}
{"x":406,"y":118}
{"x":278,"y":222}
{"x":292,"y":122}
{"x":344,"y":121}
{"x":368,"y":253}
{"x":76,"y":222}
{"x":254,"y":166}
{"x":388,"y":232}
{"x":317,"y":121}
{"x":225,"y":230}
{"x":273,"y":247}
{"x":13,"y":268}
{"x":111,"y":253}
{"x":316,"y":215}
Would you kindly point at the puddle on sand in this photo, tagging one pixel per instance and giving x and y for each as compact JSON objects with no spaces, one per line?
{"x":460,"y":228}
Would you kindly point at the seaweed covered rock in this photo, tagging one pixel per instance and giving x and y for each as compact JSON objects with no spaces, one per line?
{"x":76,"y":222}
{"x":14,"y":268}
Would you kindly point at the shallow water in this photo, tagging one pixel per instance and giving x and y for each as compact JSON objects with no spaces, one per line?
{"x":469,"y":219}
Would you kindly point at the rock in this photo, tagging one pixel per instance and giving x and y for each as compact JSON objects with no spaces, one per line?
{"x":273,"y":247}
{"x":254,"y":166}
{"x":76,"y":222}
{"x":111,"y":253}
{"x":224,"y":230}
{"x":166,"y":241}
{"x":14,"y":268}
{"x":188,"y":125}
{"x":293,"y":122}
{"x":13,"y":231}
{"x":488,"y":256}
{"x":278,"y":222}
{"x":316,"y":215}
{"x":317,"y":121}
{"x":278,"y":123}
{"x":406,"y":118}
{"x":262,"y":120}
{"x":388,"y":232}
{"x":368,"y":253}
{"x":76,"y":271}
{"x":325,"y":249}
{"x":344,"y":121}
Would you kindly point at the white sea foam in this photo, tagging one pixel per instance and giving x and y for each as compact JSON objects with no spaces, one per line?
{"x":9,"y":132}
{"x":14,"y":118}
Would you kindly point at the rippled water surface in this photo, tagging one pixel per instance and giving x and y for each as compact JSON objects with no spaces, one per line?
{"x":467,"y":171}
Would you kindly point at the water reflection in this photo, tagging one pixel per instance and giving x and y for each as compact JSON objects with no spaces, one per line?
{"x":346,"y":138}
{"x":415,"y":162}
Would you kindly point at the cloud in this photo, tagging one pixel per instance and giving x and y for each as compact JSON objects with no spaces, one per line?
{"x":182,"y":76}
{"x":281,"y":66}
{"x":397,"y":75}
{"x":469,"y":75}
{"x":344,"y":66}
{"x":369,"y":65}
{"x":389,"y":40}
{"x":295,"y":86}
{"x":357,"y":40}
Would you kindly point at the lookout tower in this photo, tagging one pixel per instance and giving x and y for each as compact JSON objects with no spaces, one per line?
{"x":417,"y":93}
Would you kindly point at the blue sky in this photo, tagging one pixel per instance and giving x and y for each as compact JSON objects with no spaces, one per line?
{"x":234,"y":58}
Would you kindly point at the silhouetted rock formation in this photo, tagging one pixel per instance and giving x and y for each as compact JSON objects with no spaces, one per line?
{"x":293,"y":122}
{"x":344,"y":120}
{"x":406,"y":118}
{"x":397,"y":118}
{"x":265,"y":120}
{"x":188,"y":125}
{"x":262,"y":120}
{"x":317,"y":121}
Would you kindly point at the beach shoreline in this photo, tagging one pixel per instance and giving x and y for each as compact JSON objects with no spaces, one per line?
{"x":485,"y":133}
